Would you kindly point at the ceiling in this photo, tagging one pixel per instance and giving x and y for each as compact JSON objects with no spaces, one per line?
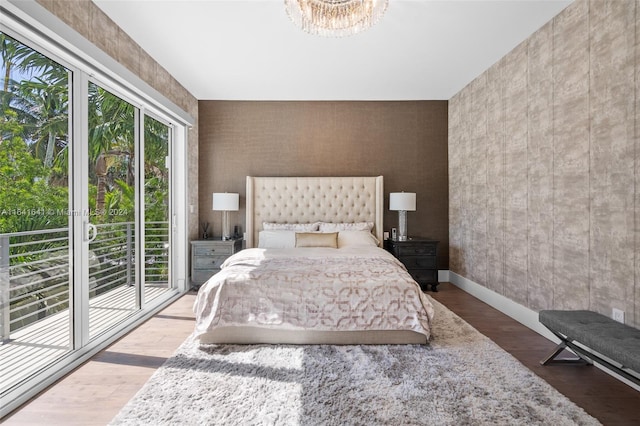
{"x":250,"y":50}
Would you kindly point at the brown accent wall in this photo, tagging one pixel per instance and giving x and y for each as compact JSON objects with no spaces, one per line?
{"x":406,"y":142}
{"x":544,"y":160}
{"x":94,"y":25}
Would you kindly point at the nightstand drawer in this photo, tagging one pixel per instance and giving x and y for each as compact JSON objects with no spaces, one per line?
{"x":208,"y":255}
{"x":417,"y":250}
{"x":211,"y":250}
{"x":424,"y":276}
{"x":210,"y":262}
{"x":419,"y":256}
{"x":418,"y":262}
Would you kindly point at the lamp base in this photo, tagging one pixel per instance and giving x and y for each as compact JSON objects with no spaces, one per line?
{"x":402,"y":225}
{"x":226,"y":232}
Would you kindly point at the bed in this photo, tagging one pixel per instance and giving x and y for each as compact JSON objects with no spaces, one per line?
{"x":314,"y":271}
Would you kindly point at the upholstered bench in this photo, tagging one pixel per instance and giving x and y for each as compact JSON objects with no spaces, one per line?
{"x":610,"y":343}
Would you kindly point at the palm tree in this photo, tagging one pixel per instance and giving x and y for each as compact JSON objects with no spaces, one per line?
{"x":39,"y":98}
{"x":156,"y":172}
{"x":111,"y":139}
{"x":44,"y":105}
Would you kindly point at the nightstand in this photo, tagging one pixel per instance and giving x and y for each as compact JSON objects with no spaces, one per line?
{"x":208,"y":255}
{"x":419,"y":255}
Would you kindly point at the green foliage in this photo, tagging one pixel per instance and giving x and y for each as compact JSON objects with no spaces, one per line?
{"x":120,"y":204}
{"x":156,"y":200}
{"x":27,"y":201}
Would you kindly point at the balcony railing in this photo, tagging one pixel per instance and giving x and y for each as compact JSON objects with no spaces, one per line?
{"x":35,"y":268}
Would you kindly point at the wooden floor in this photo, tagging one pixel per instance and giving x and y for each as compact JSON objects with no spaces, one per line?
{"x":94,"y":393}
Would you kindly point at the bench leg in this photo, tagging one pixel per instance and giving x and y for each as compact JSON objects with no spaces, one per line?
{"x":561,"y":347}
{"x":586,"y":357}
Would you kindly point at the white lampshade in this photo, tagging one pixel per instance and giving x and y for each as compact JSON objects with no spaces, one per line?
{"x":402,"y":201}
{"x":226,"y":201}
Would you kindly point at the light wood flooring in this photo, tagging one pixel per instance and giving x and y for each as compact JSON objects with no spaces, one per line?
{"x":94,"y":393}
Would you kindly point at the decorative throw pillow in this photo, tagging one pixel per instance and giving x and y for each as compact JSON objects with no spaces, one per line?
{"x":344,"y":226}
{"x":315,"y":239}
{"x":300,"y":227}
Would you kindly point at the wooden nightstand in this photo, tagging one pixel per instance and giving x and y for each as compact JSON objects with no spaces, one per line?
{"x":208,"y":255}
{"x":419,"y":255}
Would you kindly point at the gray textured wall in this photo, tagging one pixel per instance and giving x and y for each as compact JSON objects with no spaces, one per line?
{"x":544,"y":166}
{"x":406,"y":142}
{"x":90,"y":22}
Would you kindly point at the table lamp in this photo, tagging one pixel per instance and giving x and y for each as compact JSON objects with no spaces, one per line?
{"x":226,"y":202}
{"x":402,"y":202}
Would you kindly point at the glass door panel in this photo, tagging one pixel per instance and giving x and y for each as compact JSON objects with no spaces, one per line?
{"x":85,"y":217}
{"x":112,"y":141}
{"x":35,"y":241}
{"x":156,"y":208}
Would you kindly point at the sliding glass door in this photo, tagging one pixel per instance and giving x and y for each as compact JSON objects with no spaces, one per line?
{"x":35,"y":222}
{"x":113,"y":140}
{"x":158,"y":228}
{"x":129,"y":203}
{"x":86,"y":222}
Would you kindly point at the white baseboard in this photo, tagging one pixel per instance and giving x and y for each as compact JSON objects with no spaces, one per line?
{"x":443,"y":276}
{"x":522,"y":314}
{"x":525,"y":316}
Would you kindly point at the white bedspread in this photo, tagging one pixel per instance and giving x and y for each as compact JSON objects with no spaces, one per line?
{"x":347,"y":289}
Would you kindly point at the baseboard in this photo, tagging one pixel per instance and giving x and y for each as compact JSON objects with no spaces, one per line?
{"x":518,"y":312}
{"x":525,"y":316}
{"x":443,"y":276}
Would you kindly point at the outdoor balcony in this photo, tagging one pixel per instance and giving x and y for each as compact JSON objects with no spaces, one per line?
{"x":36,"y":320}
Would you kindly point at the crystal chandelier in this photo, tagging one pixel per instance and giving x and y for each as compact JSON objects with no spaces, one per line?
{"x":335,"y":18}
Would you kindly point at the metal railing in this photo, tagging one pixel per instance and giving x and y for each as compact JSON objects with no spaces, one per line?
{"x":35,"y":268}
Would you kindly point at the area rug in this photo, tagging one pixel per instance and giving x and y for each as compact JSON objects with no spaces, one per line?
{"x":459,"y":378}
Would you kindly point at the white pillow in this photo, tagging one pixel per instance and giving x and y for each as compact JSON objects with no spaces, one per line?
{"x":354,"y":226}
{"x":300,"y":227}
{"x":277,"y":239}
{"x":357,"y":239}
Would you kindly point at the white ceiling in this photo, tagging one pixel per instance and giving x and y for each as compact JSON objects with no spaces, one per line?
{"x":250,"y":50}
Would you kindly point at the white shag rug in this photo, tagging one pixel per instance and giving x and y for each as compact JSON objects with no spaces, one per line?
{"x":460,"y":378}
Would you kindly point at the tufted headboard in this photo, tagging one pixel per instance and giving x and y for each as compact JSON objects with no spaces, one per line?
{"x":313,"y":199}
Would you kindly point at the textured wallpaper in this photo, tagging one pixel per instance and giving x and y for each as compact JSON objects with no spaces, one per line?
{"x":544,"y":166}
